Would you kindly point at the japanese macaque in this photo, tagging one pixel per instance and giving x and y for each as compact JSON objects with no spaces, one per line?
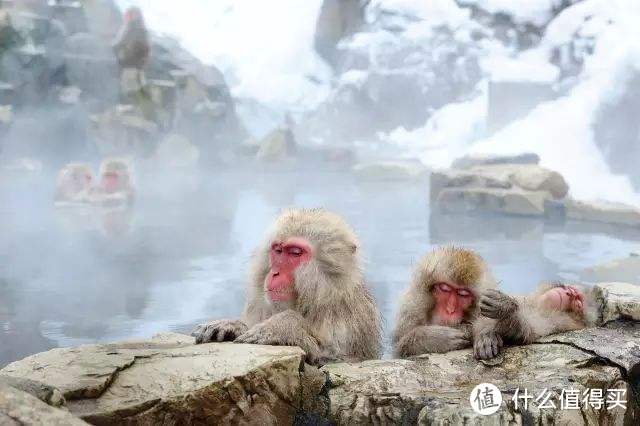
{"x":306,"y":289}
{"x":74,"y":183}
{"x":132,"y":42}
{"x":116,"y":187}
{"x":553,"y":308}
{"x":439,"y":312}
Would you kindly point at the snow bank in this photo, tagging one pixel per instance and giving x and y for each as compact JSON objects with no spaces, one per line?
{"x":264,"y":48}
{"x":561,"y":131}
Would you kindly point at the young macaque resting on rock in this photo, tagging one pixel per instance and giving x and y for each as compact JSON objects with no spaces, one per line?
{"x":306,"y":289}
{"x":115,"y":188}
{"x":439,"y":312}
{"x":74,"y":184}
{"x":553,"y":308}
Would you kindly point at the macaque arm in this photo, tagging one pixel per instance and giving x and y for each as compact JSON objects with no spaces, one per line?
{"x":431,"y":339}
{"x":487,"y":341}
{"x":286,"y":328}
{"x":510,"y":318}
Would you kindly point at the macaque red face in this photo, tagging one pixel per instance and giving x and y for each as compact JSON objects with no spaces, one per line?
{"x":111,"y":181}
{"x":285,"y":258}
{"x":565,"y":299}
{"x":452,"y":301}
{"x":133,"y":14}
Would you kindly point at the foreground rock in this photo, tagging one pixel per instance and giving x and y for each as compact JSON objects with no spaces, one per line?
{"x":20,"y":408}
{"x":435,"y":389}
{"x":168,"y":380}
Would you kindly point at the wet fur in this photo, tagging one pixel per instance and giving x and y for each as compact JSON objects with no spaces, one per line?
{"x":526,"y":320}
{"x":334,"y":316}
{"x":415,"y":332}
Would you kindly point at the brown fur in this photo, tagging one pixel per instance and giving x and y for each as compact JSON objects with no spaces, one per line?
{"x":415,"y":331}
{"x":334,"y":315}
{"x":132,"y":43}
{"x":523,"y":320}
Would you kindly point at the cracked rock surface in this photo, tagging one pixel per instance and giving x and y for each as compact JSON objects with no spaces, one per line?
{"x":20,"y":408}
{"x":169,"y":380}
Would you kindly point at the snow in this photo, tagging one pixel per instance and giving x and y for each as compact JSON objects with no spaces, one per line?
{"x":264,"y":49}
{"x":561,"y":131}
{"x":446,"y":135}
{"x":537,"y":12}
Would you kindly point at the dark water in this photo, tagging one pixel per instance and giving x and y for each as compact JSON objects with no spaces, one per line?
{"x":180,"y":256}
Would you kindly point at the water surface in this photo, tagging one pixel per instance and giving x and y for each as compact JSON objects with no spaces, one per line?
{"x":180,"y":255}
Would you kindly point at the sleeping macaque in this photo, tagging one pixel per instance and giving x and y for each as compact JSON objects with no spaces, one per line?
{"x":553,"y":308}
{"x":439,"y":312}
{"x":115,"y":187}
{"x":73,"y":184}
{"x":306,"y":289}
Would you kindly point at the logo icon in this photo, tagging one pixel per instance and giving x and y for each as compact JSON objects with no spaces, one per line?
{"x":485,"y":399}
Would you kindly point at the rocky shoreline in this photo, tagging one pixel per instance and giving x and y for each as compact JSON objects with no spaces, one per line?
{"x":169,"y":380}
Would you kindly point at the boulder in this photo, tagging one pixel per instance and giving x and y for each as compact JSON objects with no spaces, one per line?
{"x":20,"y":408}
{"x":472,"y":160}
{"x":603,"y":211}
{"x":506,"y":201}
{"x":169,"y":380}
{"x":435,"y":389}
{"x":622,"y":270}
{"x":443,"y":179}
{"x":527,"y":177}
{"x":45,"y":393}
{"x":619,"y":301}
{"x":390,"y":170}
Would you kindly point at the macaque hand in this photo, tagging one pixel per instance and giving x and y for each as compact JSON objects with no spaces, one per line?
{"x":219,"y":331}
{"x":487,"y":345}
{"x":497,"y":305}
{"x":283,"y":329}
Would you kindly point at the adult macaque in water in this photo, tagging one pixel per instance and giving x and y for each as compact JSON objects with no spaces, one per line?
{"x":74,"y":183}
{"x":306,"y":289}
{"x":116,"y":187}
{"x":439,"y":312}
{"x":553,"y":308}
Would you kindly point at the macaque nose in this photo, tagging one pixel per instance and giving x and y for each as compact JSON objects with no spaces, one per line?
{"x":452,"y":305}
{"x":275,"y":274}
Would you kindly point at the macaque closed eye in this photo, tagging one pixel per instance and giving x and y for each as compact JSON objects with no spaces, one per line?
{"x":443,"y":287}
{"x":295,"y":251}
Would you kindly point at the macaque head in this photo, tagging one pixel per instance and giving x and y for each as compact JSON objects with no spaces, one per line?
{"x":74,"y":178}
{"x":576,"y":300}
{"x":307,"y":255}
{"x":452,"y":302}
{"x":115,"y":175}
{"x":133,"y":14}
{"x":565,"y":298}
{"x":453,"y":278}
